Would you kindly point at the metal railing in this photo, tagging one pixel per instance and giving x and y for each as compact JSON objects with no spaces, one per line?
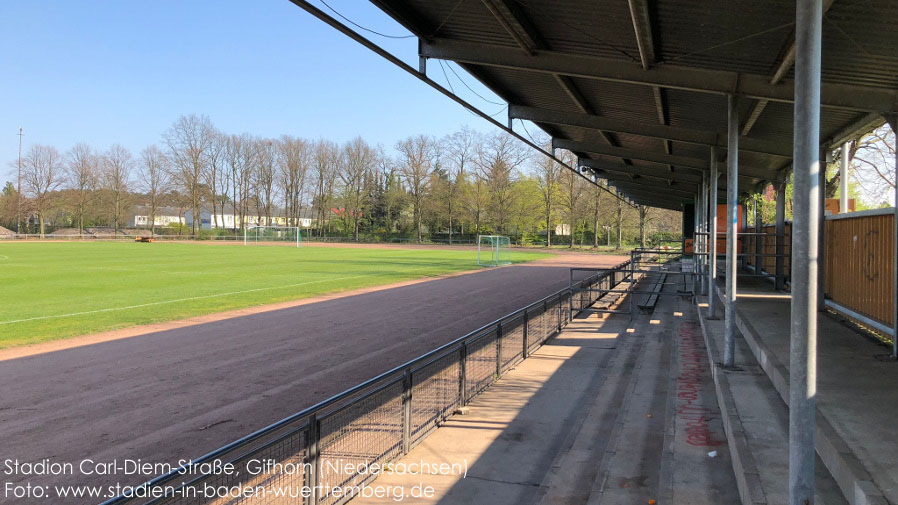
{"x":370,"y":424}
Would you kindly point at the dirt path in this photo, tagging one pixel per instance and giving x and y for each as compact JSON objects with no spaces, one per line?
{"x":180,"y":393}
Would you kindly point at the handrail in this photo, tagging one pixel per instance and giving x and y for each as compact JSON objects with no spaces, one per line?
{"x":389,"y":378}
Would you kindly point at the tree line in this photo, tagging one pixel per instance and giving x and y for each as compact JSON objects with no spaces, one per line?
{"x":461,"y":185}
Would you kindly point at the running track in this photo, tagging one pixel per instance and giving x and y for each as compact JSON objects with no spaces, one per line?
{"x":180,"y":393}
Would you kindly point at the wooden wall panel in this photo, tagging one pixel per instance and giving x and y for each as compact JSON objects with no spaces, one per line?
{"x":859,"y":265}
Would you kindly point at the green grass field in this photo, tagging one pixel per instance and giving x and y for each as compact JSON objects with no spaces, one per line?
{"x":51,"y":291}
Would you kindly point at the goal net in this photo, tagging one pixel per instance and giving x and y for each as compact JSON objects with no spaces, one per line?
{"x":267,"y":234}
{"x":493,"y":250}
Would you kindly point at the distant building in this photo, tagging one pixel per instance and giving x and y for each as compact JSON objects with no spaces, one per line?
{"x":165,"y":216}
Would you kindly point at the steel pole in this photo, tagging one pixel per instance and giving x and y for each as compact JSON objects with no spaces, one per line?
{"x":781,"y":235}
{"x":806,"y":205}
{"x":843,"y":179}
{"x":706,"y":287}
{"x":19,"y":188}
{"x":712,"y":237}
{"x":758,"y":229}
{"x":821,"y":232}
{"x":894,"y":123}
{"x":729,"y":346}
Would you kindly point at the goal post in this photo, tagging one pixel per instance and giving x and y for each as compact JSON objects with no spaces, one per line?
{"x":493,"y":250}
{"x":263,"y":234}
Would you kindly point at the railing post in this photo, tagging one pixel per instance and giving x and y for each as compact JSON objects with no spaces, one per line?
{"x":526,"y":332}
{"x":558,"y":315}
{"x":545,"y":316}
{"x":498,"y":350}
{"x":314,"y":439}
{"x":406,"y":410}
{"x":463,"y":374}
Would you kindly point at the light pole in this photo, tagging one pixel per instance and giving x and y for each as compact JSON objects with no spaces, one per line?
{"x":19,"y":188}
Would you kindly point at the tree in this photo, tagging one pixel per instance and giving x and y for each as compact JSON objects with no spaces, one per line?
{"x":459,"y":148}
{"x":42,"y":174}
{"x":216,"y":156}
{"x":189,"y":140}
{"x":81,"y":171}
{"x":294,"y":158}
{"x":264,"y":172}
{"x":596,"y":213}
{"x":498,"y":159}
{"x":116,"y":179}
{"x":572,"y":186}
{"x":548,"y":175}
{"x":358,"y":161}
{"x":643,"y":220}
{"x":325,"y":163}
{"x":416,"y":156}
{"x":154,"y":177}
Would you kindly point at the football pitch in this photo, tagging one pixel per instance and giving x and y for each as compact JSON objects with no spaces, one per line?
{"x":52,"y":291}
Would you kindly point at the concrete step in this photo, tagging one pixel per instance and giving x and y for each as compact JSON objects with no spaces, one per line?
{"x":757,"y":425}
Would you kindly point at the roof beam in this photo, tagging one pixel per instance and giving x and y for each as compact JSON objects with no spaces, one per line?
{"x":642,"y":26}
{"x":653,"y":157}
{"x":722,"y":82}
{"x":652,"y":186}
{"x":781,"y":71}
{"x":677,"y":134}
{"x":515,"y":24}
{"x":683,"y":177}
{"x":865,"y":123}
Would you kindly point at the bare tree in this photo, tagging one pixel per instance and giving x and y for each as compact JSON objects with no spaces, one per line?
{"x":872,"y":159}
{"x":240,"y":158}
{"x":82,"y":177}
{"x":294,"y":158}
{"x":460,"y":150}
{"x":216,"y":157}
{"x":154,"y":177}
{"x":42,"y":173}
{"x":358,"y":161}
{"x":189,"y":140}
{"x":416,"y":157}
{"x":596,"y":213}
{"x":116,"y":179}
{"x":264,"y":174}
{"x":326,"y":160}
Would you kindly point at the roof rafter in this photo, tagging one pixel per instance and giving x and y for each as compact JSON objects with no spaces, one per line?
{"x":677,"y":134}
{"x":723,"y":82}
{"x":781,"y":70}
{"x":701,"y":165}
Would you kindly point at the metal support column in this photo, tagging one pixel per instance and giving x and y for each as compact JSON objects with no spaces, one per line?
{"x":712,"y":237}
{"x":744,"y":259}
{"x":843,"y":179}
{"x":758,"y":239}
{"x":781,"y":234}
{"x":821,"y":221}
{"x":893,"y":121}
{"x":806,"y":205}
{"x":732,"y":217}
{"x":706,"y":260}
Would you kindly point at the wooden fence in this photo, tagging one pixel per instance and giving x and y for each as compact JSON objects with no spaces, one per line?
{"x":859,"y":263}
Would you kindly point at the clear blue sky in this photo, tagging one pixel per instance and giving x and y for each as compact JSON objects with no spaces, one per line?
{"x":121,"y":71}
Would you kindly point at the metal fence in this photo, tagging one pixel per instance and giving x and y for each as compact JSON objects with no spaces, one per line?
{"x":298,"y":459}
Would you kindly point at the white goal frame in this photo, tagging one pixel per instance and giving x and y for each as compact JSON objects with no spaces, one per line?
{"x":247,"y":238}
{"x":491,"y":255}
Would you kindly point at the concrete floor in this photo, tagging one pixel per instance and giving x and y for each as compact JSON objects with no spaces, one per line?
{"x":857,"y":393}
{"x":609,"y":412}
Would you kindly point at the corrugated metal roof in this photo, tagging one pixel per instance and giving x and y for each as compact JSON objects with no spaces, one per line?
{"x":748,"y":37}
